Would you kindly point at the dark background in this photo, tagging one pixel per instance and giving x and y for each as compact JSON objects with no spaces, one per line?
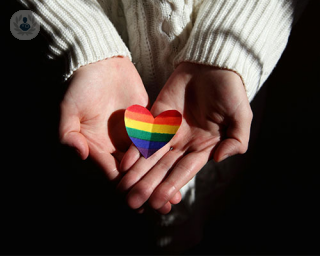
{"x":52,"y":202}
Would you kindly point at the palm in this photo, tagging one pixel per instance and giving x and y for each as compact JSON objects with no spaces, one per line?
{"x":213,"y":104}
{"x":93,"y":107}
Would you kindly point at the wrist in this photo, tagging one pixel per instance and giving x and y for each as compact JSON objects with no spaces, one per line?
{"x":98,"y":69}
{"x":197,"y":69}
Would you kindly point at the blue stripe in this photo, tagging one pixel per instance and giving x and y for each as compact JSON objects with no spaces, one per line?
{"x":148,"y":144}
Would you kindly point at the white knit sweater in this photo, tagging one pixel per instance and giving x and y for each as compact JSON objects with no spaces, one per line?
{"x":246,"y":36}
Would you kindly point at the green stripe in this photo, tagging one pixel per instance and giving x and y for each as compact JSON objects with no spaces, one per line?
{"x":148,"y":135}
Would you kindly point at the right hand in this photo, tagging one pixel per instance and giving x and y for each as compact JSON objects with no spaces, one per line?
{"x":92,"y":111}
{"x":216,"y":123}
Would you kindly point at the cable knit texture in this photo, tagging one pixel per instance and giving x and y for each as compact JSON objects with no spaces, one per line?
{"x":246,"y":36}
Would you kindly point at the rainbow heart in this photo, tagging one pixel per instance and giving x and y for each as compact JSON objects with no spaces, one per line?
{"x":147,"y":133}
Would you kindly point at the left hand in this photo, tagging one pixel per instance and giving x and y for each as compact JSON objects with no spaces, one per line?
{"x":216,"y":122}
{"x":92,"y":111}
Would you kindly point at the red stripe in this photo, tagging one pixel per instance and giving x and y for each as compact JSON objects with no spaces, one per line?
{"x":138,"y":113}
{"x":139,"y":109}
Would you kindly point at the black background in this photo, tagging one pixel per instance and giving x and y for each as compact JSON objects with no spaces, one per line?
{"x":52,"y":202}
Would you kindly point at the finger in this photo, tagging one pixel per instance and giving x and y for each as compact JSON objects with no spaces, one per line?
{"x":181,"y":174}
{"x":77,"y":141}
{"x":140,"y":210}
{"x":69,"y":131}
{"x":143,"y":189}
{"x":237,"y":141}
{"x":71,"y":137}
{"x":118,"y":155}
{"x":227,"y":148}
{"x":140,"y":168}
{"x":165,"y":209}
{"x":129,"y":158}
{"x":176,"y":198}
{"x":106,"y":161}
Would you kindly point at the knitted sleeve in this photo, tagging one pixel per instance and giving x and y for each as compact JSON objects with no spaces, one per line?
{"x":247,"y":37}
{"x":79,"y":30}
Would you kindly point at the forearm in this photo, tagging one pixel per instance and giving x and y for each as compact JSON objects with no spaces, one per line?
{"x":247,"y":37}
{"x":78,"y":30}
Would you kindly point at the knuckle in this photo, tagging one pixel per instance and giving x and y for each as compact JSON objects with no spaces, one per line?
{"x":164,"y":165}
{"x":182,"y":168}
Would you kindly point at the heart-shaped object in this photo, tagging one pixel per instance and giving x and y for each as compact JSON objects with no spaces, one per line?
{"x":147,"y":133}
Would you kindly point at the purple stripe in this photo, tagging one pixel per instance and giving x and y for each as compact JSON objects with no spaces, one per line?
{"x":147,"y":152}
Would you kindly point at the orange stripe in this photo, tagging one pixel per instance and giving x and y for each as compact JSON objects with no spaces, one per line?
{"x":168,"y":120}
{"x":149,"y":119}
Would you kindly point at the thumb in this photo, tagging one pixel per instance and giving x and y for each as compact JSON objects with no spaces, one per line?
{"x":237,"y":139}
{"x":69,"y":131}
{"x":227,"y":148}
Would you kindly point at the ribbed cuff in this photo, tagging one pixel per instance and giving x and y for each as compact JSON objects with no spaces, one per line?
{"x":79,"y":30}
{"x":247,"y":37}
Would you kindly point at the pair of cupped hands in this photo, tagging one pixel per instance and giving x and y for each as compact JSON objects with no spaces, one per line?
{"x":216,"y":120}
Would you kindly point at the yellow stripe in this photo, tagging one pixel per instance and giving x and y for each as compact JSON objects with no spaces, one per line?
{"x":147,"y":127}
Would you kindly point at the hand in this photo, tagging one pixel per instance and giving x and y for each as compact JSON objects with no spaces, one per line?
{"x":92,"y":111}
{"x":216,"y":122}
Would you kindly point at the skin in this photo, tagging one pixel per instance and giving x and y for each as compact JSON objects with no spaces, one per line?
{"x":216,"y":124}
{"x":92,"y":112}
